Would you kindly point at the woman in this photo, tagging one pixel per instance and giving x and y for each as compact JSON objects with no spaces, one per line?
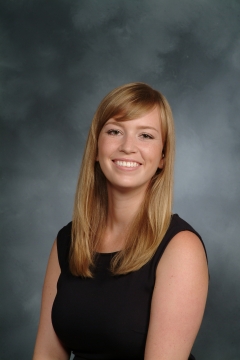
{"x":126,"y":279}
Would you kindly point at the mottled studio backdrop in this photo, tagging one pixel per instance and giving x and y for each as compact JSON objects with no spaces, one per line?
{"x":58,"y":59}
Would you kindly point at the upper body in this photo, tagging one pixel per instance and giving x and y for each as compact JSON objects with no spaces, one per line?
{"x":107,"y":317}
{"x":132,"y":170}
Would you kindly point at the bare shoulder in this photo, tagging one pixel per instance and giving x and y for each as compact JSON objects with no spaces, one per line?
{"x":184,"y":246}
{"x":184,"y":266}
{"x":53,"y":268}
{"x":179,"y":298}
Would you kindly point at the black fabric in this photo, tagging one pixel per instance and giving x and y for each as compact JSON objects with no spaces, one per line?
{"x":106,"y":317}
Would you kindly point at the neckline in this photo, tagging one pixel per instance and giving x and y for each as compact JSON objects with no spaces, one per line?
{"x":106,"y":254}
{"x":115,"y":252}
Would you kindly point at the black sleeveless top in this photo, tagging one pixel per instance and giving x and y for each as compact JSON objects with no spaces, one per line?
{"x":106,"y":317}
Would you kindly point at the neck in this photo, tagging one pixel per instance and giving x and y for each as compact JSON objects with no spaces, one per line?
{"x":122,"y":208}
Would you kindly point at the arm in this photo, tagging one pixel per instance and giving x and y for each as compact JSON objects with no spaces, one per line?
{"x":178,"y":300}
{"x":48,"y":346}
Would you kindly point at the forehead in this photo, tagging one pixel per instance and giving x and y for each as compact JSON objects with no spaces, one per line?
{"x":149,"y":120}
{"x":136,"y":114}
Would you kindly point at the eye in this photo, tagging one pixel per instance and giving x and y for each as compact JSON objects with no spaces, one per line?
{"x":146,"y":136}
{"x":113,"y":132}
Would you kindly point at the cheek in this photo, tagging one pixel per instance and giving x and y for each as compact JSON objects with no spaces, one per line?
{"x":107,"y":145}
{"x":153,"y":153}
{"x":100,"y":147}
{"x":104,"y":148}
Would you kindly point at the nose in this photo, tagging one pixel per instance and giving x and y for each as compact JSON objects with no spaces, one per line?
{"x":128,"y":144}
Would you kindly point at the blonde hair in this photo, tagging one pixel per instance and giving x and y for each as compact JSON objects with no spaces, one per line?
{"x":148,"y":228}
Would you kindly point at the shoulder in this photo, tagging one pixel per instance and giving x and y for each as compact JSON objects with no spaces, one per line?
{"x":183,"y":243}
{"x":63,"y":244}
{"x":65,"y":232}
{"x":183,"y":264}
{"x":185,"y":249}
{"x":47,"y":342}
{"x":182,"y":231}
{"x":177,"y":224}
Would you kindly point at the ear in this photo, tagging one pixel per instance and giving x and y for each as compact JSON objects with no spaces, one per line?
{"x":161,"y":162}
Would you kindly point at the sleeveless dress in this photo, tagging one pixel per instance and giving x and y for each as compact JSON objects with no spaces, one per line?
{"x":106,"y":317}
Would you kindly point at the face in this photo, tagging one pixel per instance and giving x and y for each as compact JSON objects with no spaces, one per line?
{"x":130,"y":152}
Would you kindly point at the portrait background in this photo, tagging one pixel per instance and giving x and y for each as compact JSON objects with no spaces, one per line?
{"x":58,"y":59}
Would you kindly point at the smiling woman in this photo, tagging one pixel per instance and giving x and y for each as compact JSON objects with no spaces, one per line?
{"x":133,"y":107}
{"x":126,"y":278}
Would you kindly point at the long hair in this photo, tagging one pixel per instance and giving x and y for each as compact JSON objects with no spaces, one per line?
{"x":149,"y":226}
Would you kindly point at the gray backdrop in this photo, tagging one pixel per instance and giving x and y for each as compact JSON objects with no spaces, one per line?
{"x":58,"y":59}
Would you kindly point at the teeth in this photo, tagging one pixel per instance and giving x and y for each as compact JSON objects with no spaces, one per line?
{"x":127,"y":163}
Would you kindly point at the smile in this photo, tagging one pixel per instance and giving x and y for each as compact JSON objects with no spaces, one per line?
{"x":130,"y":164}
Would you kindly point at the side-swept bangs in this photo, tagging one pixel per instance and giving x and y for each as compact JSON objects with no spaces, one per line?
{"x":126,"y":102}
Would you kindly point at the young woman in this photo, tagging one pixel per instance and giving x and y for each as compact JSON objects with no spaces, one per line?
{"x":126,"y":279}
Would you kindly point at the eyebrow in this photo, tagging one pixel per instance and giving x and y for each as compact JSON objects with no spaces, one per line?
{"x":118,"y":123}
